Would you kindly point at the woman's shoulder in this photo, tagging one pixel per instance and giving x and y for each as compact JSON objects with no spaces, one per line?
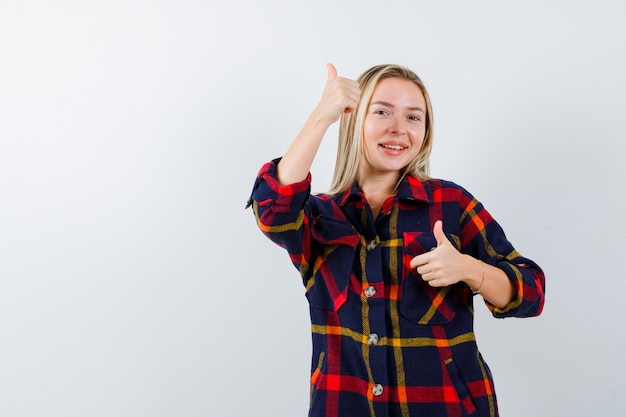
{"x":323,"y":201}
{"x":444,"y":184}
{"x":444,"y":190}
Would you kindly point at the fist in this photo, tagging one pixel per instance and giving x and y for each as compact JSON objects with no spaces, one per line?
{"x":341,"y":95}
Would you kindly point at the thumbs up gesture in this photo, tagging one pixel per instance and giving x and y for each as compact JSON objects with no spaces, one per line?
{"x":341,"y":95}
{"x":442,"y":239}
{"x":443,"y":265}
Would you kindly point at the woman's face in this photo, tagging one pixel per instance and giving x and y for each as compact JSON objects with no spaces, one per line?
{"x":394,"y":127}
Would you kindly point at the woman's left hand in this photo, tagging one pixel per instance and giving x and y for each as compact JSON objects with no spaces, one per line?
{"x":443,"y":265}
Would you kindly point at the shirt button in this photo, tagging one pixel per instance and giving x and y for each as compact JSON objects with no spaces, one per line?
{"x":372,"y":339}
{"x":377,"y":390}
{"x":370,"y":291}
{"x":371,"y":245}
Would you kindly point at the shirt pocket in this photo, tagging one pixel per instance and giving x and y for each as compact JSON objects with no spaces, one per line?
{"x":421,"y":303}
{"x":334,"y":244}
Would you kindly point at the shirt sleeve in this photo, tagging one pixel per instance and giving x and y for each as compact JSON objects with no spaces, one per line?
{"x":485,"y":239}
{"x":280,"y":214}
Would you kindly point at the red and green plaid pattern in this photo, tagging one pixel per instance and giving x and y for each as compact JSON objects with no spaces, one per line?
{"x":385,"y":343}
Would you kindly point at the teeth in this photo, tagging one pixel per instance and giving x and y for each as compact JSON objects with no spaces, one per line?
{"x":394,"y":147}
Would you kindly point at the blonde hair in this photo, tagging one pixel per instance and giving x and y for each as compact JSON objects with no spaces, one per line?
{"x":350,"y":145}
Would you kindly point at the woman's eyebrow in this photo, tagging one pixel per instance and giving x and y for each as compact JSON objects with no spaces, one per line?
{"x":386,"y":104}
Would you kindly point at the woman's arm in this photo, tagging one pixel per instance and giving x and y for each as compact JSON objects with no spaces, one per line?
{"x":340,"y":95}
{"x":445,"y":266}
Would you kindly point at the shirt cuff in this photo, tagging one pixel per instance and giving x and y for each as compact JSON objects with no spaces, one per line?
{"x":267,"y":191}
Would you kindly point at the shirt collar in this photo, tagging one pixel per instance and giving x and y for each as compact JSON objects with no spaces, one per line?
{"x":410,"y":188}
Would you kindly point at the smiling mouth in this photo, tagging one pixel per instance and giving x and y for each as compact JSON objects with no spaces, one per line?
{"x":393,"y":147}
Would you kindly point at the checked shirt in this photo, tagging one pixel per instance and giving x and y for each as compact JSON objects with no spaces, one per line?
{"x":385,"y":343}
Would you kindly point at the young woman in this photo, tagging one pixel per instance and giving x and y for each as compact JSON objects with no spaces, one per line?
{"x":391,"y":258}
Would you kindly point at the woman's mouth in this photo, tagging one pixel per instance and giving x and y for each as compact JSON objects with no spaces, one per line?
{"x":393,"y":147}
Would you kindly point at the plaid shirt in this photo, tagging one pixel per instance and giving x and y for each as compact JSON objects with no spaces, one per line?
{"x":385,"y":343}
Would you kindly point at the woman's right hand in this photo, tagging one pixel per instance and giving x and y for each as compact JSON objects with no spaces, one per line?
{"x":341,"y":95}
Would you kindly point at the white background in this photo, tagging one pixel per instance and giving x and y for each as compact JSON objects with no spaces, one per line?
{"x":134,"y":283}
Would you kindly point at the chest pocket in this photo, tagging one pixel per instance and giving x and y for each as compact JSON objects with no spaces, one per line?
{"x":334,"y":243}
{"x":421,"y":303}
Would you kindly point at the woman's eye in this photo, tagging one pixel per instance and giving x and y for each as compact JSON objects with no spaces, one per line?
{"x":415,"y":118}
{"x":380,"y":112}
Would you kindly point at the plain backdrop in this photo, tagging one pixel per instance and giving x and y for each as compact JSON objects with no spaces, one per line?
{"x":134,"y":283}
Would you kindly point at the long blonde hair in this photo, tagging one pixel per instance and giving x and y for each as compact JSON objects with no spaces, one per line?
{"x":350,"y":145}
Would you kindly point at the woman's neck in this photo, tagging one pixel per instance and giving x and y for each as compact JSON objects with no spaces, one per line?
{"x":374,"y":184}
{"x":378,"y":188}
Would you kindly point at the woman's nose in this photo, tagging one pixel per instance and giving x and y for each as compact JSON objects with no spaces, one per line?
{"x":397,"y":126}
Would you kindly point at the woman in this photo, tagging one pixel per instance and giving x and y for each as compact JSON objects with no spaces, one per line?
{"x":391,"y":258}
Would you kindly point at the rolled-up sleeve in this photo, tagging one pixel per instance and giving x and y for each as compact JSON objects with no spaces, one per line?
{"x":484,"y":238}
{"x":279,"y":212}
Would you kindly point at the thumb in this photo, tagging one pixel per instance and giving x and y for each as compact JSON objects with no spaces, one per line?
{"x":438,"y":232}
{"x":332,"y":72}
